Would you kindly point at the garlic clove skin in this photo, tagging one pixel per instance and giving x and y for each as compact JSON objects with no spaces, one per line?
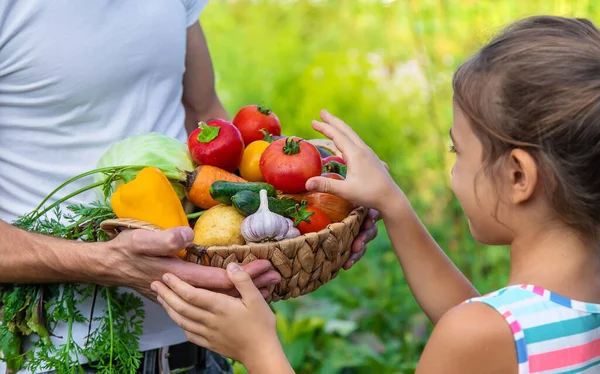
{"x":292,"y":231}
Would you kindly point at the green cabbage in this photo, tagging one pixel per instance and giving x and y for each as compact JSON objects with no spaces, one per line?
{"x":150,"y":149}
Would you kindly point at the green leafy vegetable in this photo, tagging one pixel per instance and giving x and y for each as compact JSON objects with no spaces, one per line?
{"x":150,"y":149}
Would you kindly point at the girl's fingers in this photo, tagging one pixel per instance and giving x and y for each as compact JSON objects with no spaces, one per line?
{"x":342,"y":126}
{"x":166,"y":297}
{"x":198,"y":340}
{"x":341,"y":141}
{"x":198,"y":297}
{"x":194,"y":326}
{"x":235,"y":293}
{"x":326,"y":185}
{"x":243,"y":283}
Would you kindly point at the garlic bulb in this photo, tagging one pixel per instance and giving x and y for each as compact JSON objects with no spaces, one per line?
{"x":264,"y":225}
{"x":292,"y":231}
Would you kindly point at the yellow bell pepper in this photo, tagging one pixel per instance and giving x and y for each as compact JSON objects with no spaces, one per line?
{"x":151,"y":198}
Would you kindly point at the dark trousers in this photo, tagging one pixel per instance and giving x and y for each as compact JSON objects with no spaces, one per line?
{"x":184,"y":358}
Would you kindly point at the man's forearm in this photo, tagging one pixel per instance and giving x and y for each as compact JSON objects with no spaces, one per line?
{"x":214,"y":109}
{"x":34,"y":258}
{"x":199,"y":92}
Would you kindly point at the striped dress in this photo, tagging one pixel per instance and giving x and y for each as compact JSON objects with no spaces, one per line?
{"x":553,"y":334}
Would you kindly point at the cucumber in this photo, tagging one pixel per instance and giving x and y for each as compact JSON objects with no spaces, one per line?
{"x":247,"y":203}
{"x":223,"y":191}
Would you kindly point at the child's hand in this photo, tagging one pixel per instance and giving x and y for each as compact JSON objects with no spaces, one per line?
{"x":242,"y":329}
{"x":368,"y":182}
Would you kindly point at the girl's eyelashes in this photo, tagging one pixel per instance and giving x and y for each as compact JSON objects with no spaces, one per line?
{"x":452,"y":149}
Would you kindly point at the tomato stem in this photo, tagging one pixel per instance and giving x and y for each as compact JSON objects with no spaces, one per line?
{"x":291,"y":147}
{"x":300,"y":214}
{"x":268,"y":137}
{"x":264,"y":110}
{"x":207,"y":133}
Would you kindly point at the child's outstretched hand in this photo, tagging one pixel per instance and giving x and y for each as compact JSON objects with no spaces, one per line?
{"x":243,"y":329}
{"x":368,"y":181}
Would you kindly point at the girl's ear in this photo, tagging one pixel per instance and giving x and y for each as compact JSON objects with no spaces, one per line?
{"x":523,"y":176}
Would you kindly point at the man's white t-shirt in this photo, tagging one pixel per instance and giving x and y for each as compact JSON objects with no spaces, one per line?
{"x":75,"y":77}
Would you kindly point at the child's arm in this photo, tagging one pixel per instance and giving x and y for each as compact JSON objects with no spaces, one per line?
{"x":434,"y":280}
{"x":432,"y":277}
{"x":243,"y":329}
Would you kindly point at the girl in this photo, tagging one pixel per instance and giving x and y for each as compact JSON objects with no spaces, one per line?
{"x":526,"y":134}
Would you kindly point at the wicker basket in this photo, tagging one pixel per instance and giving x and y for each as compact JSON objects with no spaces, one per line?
{"x":305,"y":262}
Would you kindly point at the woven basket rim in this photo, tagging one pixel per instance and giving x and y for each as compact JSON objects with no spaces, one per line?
{"x":110,"y":226}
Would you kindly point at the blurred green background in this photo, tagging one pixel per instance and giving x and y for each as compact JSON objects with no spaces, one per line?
{"x":385,"y":67}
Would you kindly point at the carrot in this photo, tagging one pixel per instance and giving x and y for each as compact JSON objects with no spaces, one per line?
{"x":199,"y":181}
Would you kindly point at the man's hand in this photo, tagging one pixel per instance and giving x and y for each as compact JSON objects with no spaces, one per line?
{"x":136,"y":258}
{"x":368,"y":233}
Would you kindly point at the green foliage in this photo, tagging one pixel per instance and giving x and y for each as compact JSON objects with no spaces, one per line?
{"x":34,"y":310}
{"x":385,"y":67}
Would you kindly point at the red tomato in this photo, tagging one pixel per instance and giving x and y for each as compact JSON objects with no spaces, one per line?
{"x":333,"y":176}
{"x":312,"y":219}
{"x":251,"y":119}
{"x":217,"y":143}
{"x":334,"y":158}
{"x":288,"y":163}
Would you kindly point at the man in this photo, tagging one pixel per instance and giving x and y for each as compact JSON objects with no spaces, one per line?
{"x":75,"y":77}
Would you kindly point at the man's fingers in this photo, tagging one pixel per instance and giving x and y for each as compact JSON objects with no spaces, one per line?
{"x":207,"y":277}
{"x":243,"y":283}
{"x":269,"y":278}
{"x":214,"y":278}
{"x":158,"y":243}
{"x":265,"y":293}
{"x":363,"y":238}
{"x":261,"y":269}
{"x":355,"y":257}
{"x":197,"y":297}
{"x":374,"y":215}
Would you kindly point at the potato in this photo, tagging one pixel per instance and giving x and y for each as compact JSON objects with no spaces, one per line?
{"x":219,"y":225}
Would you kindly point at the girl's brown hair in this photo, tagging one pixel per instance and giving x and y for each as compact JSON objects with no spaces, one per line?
{"x":536,"y":86}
